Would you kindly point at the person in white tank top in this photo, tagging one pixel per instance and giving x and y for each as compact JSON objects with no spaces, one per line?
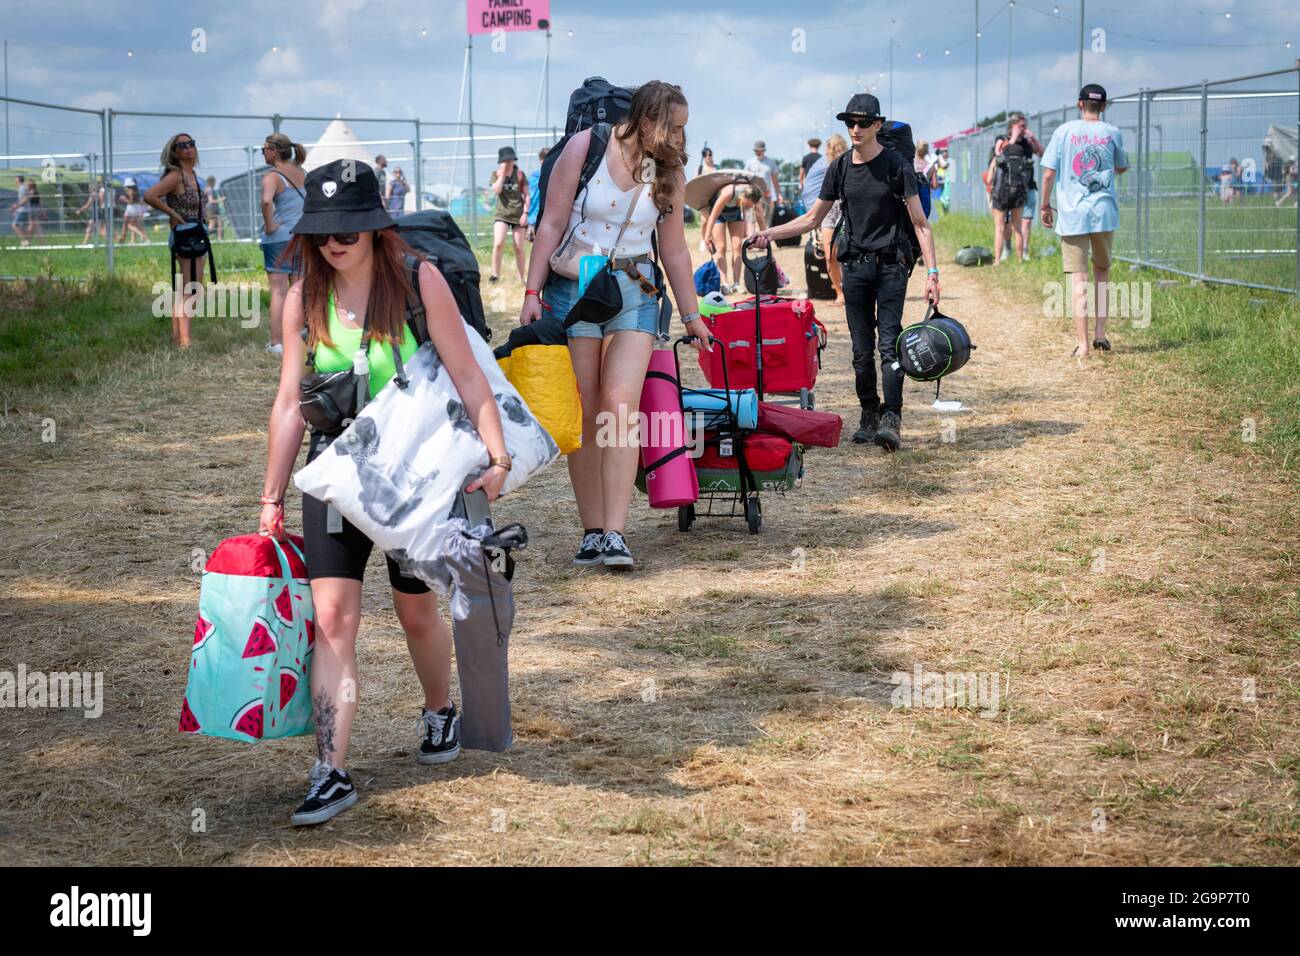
{"x":640,"y":180}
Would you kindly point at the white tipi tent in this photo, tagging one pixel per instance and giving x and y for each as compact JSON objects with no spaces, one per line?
{"x":337,"y":142}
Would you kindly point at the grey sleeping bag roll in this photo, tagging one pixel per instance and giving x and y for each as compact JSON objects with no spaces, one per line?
{"x":475,"y":577}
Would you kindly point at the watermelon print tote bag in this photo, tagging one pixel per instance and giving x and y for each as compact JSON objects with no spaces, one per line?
{"x":249,"y":666}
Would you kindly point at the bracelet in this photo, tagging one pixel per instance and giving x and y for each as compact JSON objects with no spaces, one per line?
{"x":268,"y":500}
{"x":691,"y":317}
{"x":528,"y":292}
{"x":933,"y":272}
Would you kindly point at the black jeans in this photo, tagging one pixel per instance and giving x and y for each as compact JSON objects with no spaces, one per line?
{"x":873,"y":300}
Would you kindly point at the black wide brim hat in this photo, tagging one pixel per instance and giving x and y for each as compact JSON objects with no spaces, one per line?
{"x":861,"y":104}
{"x":342,"y":196}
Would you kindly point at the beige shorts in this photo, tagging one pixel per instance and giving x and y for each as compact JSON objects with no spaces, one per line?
{"x":1074,"y":251}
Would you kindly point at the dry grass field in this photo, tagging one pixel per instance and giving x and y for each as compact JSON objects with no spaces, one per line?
{"x":1123,"y":568}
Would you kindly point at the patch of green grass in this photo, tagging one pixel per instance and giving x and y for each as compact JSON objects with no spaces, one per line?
{"x":59,"y":335}
{"x":690,"y":643}
{"x":1210,"y":334}
{"x":648,"y":821}
{"x":1116,"y":748}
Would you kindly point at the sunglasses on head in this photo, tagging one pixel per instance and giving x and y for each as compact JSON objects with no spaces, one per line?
{"x":185,"y":144}
{"x":858,"y":123}
{"x":342,"y":238}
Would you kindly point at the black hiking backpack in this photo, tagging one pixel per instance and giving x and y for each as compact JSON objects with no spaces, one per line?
{"x":434,"y":234}
{"x":597,"y":105}
{"x":896,"y":139}
{"x":1011,"y":180}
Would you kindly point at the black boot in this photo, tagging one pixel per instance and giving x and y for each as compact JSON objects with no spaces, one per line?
{"x":867,"y":429}
{"x":889,"y":434}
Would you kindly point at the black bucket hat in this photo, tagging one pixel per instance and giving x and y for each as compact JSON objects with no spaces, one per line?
{"x":506,"y":153}
{"x":861,"y":104}
{"x":342,"y":196}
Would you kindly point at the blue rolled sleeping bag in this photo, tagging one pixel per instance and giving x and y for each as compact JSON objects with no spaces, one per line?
{"x":712,"y":404}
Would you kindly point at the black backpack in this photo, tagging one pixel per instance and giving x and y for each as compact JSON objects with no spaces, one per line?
{"x":436,"y":236}
{"x":897,"y":136}
{"x":1011,"y":180}
{"x":597,"y":105}
{"x":905,"y":233}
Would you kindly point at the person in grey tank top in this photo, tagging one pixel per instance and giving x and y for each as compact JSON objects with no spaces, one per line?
{"x":282,"y":198}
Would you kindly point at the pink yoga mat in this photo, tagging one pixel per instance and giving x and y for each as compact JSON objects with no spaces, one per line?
{"x":670,"y":473}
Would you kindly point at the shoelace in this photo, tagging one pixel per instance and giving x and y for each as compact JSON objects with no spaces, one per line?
{"x":320,"y":774}
{"x":614,"y":541}
{"x":592,"y":541}
{"x":435,"y":724}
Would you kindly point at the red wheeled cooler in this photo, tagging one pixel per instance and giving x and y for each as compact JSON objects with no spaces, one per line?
{"x":793,"y":339}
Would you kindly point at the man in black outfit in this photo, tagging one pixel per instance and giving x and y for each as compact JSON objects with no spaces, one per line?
{"x":877,"y":189}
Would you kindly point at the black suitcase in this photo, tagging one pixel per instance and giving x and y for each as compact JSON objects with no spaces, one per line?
{"x":817,"y":275}
{"x":781,"y":214}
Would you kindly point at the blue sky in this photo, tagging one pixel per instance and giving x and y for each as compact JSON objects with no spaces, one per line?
{"x":738,"y":63}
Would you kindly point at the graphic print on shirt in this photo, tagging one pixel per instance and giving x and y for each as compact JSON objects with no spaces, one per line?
{"x":1092,"y":165}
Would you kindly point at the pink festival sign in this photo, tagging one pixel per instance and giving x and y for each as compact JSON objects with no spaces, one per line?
{"x":487,"y":16}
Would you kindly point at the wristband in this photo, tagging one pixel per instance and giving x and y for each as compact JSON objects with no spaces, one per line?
{"x":933,"y":272}
{"x":268,"y":500}
{"x":528,"y":292}
{"x":690,"y":318}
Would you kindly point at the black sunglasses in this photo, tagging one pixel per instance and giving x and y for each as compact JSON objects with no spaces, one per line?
{"x":342,"y":238}
{"x":186,"y":144}
{"x":856,"y":123}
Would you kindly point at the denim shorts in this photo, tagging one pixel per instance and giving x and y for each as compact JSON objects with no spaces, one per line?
{"x":271,"y":252}
{"x":640,"y":311}
{"x":1031,"y":205}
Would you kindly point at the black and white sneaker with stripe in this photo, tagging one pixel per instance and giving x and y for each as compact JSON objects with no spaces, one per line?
{"x":440,"y":740}
{"x":329,"y":793}
{"x":589,"y":552}
{"x":614,"y":552}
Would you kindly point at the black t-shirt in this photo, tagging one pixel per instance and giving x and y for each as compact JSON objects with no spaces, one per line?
{"x":808,"y":161}
{"x":872,"y":212}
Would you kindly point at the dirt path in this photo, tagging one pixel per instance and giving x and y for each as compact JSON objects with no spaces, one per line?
{"x":1079,"y":536}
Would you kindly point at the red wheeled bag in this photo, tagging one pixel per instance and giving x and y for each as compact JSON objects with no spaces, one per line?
{"x":793,"y":339}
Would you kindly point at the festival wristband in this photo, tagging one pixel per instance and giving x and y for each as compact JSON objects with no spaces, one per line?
{"x":691,"y":317}
{"x":933,"y":272}
{"x":268,"y":500}
{"x":528,"y":292}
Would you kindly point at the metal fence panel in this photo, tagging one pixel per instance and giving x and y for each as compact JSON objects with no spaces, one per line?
{"x":1210,"y":191}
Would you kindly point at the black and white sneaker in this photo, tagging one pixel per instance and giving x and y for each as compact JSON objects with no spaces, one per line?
{"x":590,"y":551}
{"x":440,"y":742}
{"x":330,"y":792}
{"x":614,"y":552}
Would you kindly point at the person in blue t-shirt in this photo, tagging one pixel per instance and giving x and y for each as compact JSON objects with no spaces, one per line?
{"x":534,"y":193}
{"x":1082,"y":161}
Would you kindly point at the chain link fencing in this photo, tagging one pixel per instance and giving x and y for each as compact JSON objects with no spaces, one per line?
{"x":66,"y":173}
{"x":1210,"y":192}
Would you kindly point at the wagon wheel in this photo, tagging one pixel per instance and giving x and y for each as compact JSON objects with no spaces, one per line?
{"x":685,"y":517}
{"x":753,"y":515}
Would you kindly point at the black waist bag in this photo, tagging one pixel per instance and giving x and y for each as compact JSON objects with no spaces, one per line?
{"x":328,"y":400}
{"x":190,"y":241}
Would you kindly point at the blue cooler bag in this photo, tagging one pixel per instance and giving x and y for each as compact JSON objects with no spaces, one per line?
{"x":249,"y":666}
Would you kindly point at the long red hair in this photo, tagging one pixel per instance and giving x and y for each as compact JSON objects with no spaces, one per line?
{"x":390,"y":289}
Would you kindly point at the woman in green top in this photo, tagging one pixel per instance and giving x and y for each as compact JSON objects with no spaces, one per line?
{"x":354,"y":277}
{"x":511,"y":216}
